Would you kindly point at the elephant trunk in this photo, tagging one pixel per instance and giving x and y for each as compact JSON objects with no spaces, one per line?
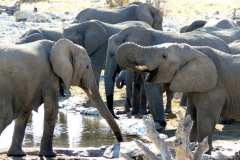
{"x":91,"y":88}
{"x":110,"y":73}
{"x":135,"y":57}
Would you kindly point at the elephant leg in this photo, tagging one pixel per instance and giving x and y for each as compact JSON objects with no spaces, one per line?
{"x":135,"y":98}
{"x":191,"y":110}
{"x":50,"y":116}
{"x":18,"y":135}
{"x":155,"y":102}
{"x":183,"y":101}
{"x":6,"y":115}
{"x":169,"y":94}
{"x":143,"y":101}
{"x":97,"y":73}
{"x":208,"y":107}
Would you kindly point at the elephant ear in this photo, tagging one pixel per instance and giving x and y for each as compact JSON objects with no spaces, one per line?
{"x":95,"y":37}
{"x":197,"y":74}
{"x":144,"y":14}
{"x":62,"y":57}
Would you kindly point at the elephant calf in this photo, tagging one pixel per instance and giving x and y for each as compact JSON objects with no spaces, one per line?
{"x":31,"y":75}
{"x":210,"y":78}
{"x":136,"y":97}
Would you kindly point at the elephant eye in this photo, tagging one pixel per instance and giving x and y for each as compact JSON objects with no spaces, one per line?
{"x":87,"y":66}
{"x":164,"y":56}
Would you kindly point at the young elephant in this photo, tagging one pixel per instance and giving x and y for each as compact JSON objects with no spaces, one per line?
{"x":210,"y":78}
{"x":148,"y":37}
{"x":134,"y":12}
{"x":136,"y":97}
{"x":31,"y":75}
{"x":38,"y":34}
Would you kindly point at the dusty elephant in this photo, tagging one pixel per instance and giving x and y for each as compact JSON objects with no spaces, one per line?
{"x":134,"y":12}
{"x":150,"y":37}
{"x":193,"y":26}
{"x":210,"y":78}
{"x":31,"y":75}
{"x":235,"y":47}
{"x":38,"y":34}
{"x":219,"y":24}
{"x":93,"y":36}
{"x":136,"y":98}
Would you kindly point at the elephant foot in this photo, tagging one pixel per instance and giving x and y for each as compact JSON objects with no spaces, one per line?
{"x":122,"y":112}
{"x":160,"y":126}
{"x":168,"y":111}
{"x":140,"y":116}
{"x":48,"y":153}
{"x":226,"y":120}
{"x":16,"y":153}
{"x":134,"y":112}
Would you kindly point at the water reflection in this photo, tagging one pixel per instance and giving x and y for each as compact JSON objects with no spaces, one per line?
{"x":72,"y":130}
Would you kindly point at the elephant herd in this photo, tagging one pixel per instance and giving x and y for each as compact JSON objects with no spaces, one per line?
{"x":200,"y":61}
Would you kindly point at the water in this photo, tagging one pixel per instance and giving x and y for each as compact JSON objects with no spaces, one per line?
{"x":72,"y":130}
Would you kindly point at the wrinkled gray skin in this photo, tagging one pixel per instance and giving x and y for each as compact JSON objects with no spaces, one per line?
{"x":235,"y":47}
{"x":31,"y":75}
{"x":38,"y":34}
{"x":228,"y":35}
{"x":135,"y":93}
{"x":225,"y":29}
{"x":220,"y":24}
{"x":134,"y":12}
{"x":148,"y":37}
{"x":93,"y":36}
{"x":209,"y":77}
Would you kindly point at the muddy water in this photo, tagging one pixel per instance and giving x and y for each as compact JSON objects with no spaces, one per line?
{"x":72,"y":130}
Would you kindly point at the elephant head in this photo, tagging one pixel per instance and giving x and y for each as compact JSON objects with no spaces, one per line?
{"x":185,"y":68}
{"x":90,"y":34}
{"x":72,"y":65}
{"x":151,"y":15}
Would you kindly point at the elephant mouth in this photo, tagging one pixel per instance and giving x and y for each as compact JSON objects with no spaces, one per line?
{"x":151,"y":75}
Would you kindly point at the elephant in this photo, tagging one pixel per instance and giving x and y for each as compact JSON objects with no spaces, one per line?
{"x":220,"y":24}
{"x":149,"y":36}
{"x":134,"y":12}
{"x":235,"y":47}
{"x":136,"y":97}
{"x":228,"y":35}
{"x":93,"y":36}
{"x":193,"y":26}
{"x":210,"y":78}
{"x":38,"y":34}
{"x":31,"y":75}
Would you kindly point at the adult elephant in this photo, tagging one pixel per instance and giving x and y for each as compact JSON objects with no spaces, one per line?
{"x":31,"y":75}
{"x":93,"y":36}
{"x":193,"y":26}
{"x":134,"y":12}
{"x":228,"y":35}
{"x":38,"y":34}
{"x":210,"y":78}
{"x":148,"y":37}
{"x":235,"y":47}
{"x":213,"y":23}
